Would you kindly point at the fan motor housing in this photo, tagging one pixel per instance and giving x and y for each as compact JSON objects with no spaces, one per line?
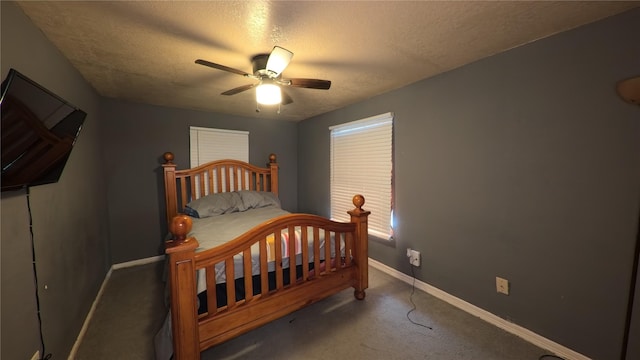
{"x":260,"y":64}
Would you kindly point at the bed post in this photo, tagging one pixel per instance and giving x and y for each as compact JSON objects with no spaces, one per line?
{"x":170,"y":191}
{"x":184,"y":312}
{"x":273,"y":165}
{"x":359,"y":217}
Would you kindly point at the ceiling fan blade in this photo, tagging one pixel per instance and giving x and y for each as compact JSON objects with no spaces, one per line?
{"x":239,"y":89}
{"x":278,"y":60}
{"x":221,"y":67}
{"x":310,"y":83}
{"x":286,"y":98}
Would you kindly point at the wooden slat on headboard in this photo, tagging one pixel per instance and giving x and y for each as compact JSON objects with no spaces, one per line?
{"x":183,"y":186}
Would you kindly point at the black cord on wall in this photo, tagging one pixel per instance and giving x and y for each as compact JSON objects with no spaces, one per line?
{"x":35,"y":277}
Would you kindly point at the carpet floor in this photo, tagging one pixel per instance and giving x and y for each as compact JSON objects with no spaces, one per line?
{"x":131,"y":310}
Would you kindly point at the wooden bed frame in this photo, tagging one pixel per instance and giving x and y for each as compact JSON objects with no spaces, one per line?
{"x":193,"y":332}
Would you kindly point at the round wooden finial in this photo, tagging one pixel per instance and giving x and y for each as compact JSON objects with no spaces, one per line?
{"x":629,"y":90}
{"x":180,"y":226}
{"x":272,"y":158}
{"x":358,"y":201}
{"x":168,"y":157}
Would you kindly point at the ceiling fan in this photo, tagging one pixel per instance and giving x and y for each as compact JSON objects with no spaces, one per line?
{"x":267,"y":69}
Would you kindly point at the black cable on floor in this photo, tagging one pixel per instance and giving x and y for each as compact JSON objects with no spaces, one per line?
{"x":35,"y":277}
{"x":413,"y":288}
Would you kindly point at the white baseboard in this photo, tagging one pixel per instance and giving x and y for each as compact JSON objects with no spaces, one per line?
{"x":85,"y":325}
{"x":144,"y":261}
{"x":495,"y":320}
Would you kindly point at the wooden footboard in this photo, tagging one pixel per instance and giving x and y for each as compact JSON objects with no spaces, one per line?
{"x":332,"y":256}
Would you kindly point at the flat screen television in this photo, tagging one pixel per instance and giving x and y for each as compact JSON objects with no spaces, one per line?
{"x":38,"y":131}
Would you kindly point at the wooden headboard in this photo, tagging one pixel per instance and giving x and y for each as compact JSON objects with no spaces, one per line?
{"x":184,"y":186}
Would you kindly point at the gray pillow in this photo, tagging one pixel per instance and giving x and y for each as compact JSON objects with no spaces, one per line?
{"x":215,"y":204}
{"x":258,"y":199}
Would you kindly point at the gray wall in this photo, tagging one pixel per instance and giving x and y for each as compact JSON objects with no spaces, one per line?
{"x":524,"y":165}
{"x":135,"y":137}
{"x":69,"y":217}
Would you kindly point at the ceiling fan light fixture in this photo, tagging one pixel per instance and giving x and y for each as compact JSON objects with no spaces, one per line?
{"x":267,"y":70}
{"x":268,"y":94}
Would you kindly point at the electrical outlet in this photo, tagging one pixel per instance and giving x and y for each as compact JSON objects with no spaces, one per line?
{"x":502,"y":285}
{"x":36,"y":356}
{"x":414,"y":257}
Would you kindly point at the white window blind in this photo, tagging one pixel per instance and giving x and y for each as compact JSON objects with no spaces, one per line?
{"x":209,"y":144}
{"x":362,"y":163}
{"x":216,"y":144}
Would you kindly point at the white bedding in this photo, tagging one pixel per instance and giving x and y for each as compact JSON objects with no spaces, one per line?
{"x":217,"y":230}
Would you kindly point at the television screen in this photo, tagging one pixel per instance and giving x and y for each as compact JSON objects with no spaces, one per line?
{"x":38,"y":132}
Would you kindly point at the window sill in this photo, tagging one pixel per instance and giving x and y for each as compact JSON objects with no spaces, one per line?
{"x":388,"y":242}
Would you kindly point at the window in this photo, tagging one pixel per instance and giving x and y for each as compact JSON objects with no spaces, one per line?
{"x":362,"y":163}
{"x":216,"y":144}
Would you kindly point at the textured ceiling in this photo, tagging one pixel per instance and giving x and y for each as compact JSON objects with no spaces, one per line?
{"x":144,"y":51}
